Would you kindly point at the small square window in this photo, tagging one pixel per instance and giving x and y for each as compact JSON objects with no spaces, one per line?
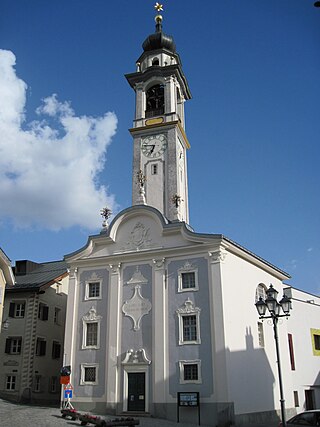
{"x":20,"y":310}
{"x":13,"y":345}
{"x":93,"y":290}
{"x":11,"y":382}
{"x":190,"y":371}
{"x":89,"y":374}
{"x":188,"y":280}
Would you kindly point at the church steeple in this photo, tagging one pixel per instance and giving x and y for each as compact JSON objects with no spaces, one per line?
{"x":159,"y":138}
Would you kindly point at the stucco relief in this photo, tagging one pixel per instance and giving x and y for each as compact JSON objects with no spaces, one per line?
{"x":188,"y":308}
{"x":91,"y":315}
{"x":218,"y":256}
{"x":136,"y":307}
{"x":136,"y":357}
{"x":139,"y":238}
{"x":137,"y":278}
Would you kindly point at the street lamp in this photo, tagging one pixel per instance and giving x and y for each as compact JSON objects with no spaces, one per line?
{"x":274,"y":308}
{"x":317,"y":4}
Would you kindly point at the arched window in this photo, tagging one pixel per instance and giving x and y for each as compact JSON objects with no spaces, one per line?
{"x":155,"y":61}
{"x":155,"y":101}
{"x":261,"y":292}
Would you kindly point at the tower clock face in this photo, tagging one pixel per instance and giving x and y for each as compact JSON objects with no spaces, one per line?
{"x":154,"y":145}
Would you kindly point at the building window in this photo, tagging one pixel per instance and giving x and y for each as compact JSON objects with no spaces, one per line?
{"x":155,"y":101}
{"x":43,"y":312}
{"x":296,"y":398}
{"x":17,"y":309}
{"x":190,"y":371}
{"x":13,"y":345}
{"x":41,"y":347}
{"x":11,"y":382}
{"x":261,"y":292}
{"x":91,"y":330}
{"x":260,"y":334}
{"x":188,"y":278}
{"x":53,"y":387}
{"x":93,"y":290}
{"x":189,"y":328}
{"x":189,"y":323}
{"x":154,"y":169}
{"x":291,"y":352}
{"x":89,"y":374}
{"x":56,"y":350}
{"x":315,"y":337}
{"x":57,"y":316}
{"x":37,"y":384}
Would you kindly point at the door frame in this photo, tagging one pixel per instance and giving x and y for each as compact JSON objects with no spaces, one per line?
{"x":133,"y":368}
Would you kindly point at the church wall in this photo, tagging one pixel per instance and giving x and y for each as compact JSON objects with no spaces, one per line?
{"x":246,"y":360}
{"x":202,"y":351}
{"x":91,"y":356}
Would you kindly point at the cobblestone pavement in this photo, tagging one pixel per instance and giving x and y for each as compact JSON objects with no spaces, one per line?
{"x":16,"y":415}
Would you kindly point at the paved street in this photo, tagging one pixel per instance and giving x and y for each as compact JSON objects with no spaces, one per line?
{"x":13,"y":415}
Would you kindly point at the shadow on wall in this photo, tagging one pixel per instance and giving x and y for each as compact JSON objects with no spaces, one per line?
{"x":252,"y":382}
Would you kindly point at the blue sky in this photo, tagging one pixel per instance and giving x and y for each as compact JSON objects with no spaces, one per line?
{"x":253,"y":122}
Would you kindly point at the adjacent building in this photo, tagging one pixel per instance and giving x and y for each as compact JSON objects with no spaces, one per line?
{"x":156,"y":309}
{"x":6,"y":278}
{"x":31,"y":345}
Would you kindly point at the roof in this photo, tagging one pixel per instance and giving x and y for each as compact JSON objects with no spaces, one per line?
{"x":43,"y":274}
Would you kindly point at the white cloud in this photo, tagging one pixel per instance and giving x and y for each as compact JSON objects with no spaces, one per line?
{"x":49,"y":172}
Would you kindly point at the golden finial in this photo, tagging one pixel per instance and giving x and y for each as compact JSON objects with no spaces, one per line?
{"x":158,"y":7}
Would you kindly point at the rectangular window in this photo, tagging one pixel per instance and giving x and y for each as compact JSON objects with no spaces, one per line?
{"x":154,"y":169}
{"x":56,"y":350}
{"x":188,"y":280}
{"x":260,"y":334}
{"x":296,"y":398}
{"x":94,"y":290}
{"x":41,"y":347}
{"x":53,"y":385}
{"x":13,"y":345}
{"x":37,"y":384}
{"x":43,"y":312}
{"x":189,"y":328}
{"x":89,"y":374}
{"x":57,"y":316}
{"x":92,"y":334}
{"x":291,"y":352}
{"x":190,"y":371}
{"x":11,"y":382}
{"x":316,"y":341}
{"x":17,"y":309}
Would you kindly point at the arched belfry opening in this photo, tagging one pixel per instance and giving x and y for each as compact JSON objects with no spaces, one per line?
{"x":155,"y":101}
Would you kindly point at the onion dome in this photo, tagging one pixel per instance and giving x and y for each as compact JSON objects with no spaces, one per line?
{"x":159,"y":40}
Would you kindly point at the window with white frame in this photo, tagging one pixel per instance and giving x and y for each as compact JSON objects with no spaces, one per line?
{"x":260,"y":334}
{"x":93,"y":290}
{"x":17,"y":309}
{"x":188,"y":278}
{"x":91,"y":330}
{"x":261,"y":290}
{"x":13,"y":345}
{"x":189,"y":323}
{"x":89,"y":374}
{"x":190,"y":371}
{"x":10,"y":382}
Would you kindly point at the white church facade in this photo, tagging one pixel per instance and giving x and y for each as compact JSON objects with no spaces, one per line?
{"x":156,"y":309}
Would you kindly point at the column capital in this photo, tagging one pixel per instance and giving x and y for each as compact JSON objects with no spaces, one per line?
{"x":159,"y":263}
{"x":217,"y":256}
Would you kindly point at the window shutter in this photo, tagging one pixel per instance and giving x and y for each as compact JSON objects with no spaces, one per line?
{"x":8,"y":346}
{"x":45,"y":312}
{"x":11,"y":309}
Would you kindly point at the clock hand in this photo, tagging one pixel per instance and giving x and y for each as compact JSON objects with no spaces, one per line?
{"x":152,"y":150}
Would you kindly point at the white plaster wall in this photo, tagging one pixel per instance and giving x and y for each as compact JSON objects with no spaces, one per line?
{"x":252,"y":370}
{"x":304,"y":316}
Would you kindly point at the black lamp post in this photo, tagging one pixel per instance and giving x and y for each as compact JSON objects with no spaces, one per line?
{"x":274,"y":307}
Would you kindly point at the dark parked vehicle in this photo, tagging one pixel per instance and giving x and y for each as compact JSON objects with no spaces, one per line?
{"x":307,"y":418}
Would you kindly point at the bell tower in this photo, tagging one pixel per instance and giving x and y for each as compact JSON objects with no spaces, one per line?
{"x":159,"y":140}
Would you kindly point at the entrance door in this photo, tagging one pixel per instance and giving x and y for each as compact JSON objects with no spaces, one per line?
{"x":136,"y":391}
{"x":309,"y":394}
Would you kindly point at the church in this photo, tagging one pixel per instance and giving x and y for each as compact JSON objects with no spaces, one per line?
{"x":161,"y":320}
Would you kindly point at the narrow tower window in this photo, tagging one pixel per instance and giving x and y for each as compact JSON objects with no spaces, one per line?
{"x":155,"y":101}
{"x":154,"y":169}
